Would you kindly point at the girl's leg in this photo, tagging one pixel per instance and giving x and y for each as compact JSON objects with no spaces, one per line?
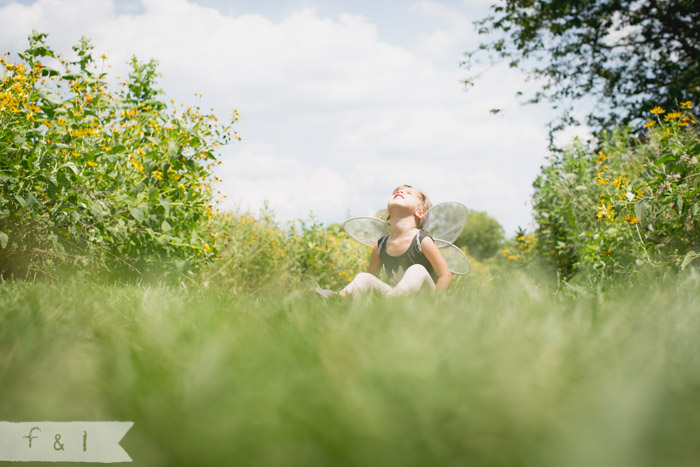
{"x":413,"y":280}
{"x":365,"y":281}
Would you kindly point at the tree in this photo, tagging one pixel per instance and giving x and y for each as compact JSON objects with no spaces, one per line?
{"x":483,"y":236}
{"x":629,"y":55}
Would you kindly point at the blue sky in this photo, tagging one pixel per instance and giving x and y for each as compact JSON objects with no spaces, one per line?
{"x":340,"y":101}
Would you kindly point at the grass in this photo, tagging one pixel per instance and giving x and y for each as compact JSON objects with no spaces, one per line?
{"x":514,"y":374}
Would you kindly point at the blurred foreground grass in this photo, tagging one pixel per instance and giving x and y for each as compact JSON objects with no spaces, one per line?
{"x":508,"y":375}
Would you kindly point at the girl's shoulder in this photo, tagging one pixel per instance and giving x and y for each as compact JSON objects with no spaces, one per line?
{"x":381,"y":243}
{"x":422,"y":235}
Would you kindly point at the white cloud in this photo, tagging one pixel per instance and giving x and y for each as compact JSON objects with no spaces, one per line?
{"x":332,"y":117}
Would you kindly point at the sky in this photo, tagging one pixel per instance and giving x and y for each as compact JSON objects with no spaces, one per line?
{"x":339,"y":102}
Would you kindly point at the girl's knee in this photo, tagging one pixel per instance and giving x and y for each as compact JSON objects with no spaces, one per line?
{"x":363,"y":276}
{"x":417,"y":269}
{"x":363,"y":279}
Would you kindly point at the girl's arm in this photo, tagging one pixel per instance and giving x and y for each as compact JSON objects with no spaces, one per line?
{"x":437,"y":261}
{"x":374,"y":263}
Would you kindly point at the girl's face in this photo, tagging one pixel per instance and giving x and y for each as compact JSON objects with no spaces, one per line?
{"x":406,"y":198}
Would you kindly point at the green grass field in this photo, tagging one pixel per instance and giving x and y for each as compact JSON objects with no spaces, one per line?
{"x":507,"y":375}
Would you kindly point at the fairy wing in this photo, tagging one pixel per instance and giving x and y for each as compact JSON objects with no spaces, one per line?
{"x":445,"y":221}
{"x":366,"y":230}
{"x":456,"y":260}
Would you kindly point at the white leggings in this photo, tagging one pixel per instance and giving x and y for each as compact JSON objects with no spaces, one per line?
{"x":414,"y":279}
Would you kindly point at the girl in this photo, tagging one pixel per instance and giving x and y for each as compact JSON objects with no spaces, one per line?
{"x":408,"y":255}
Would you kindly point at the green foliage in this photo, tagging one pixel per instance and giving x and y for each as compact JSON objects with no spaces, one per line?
{"x":107,"y":181}
{"x":483,"y":236}
{"x":626,"y":55}
{"x":257,"y":254}
{"x":508,"y":375}
{"x":633,"y":203}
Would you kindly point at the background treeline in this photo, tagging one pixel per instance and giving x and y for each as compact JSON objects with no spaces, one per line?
{"x":119,"y":183}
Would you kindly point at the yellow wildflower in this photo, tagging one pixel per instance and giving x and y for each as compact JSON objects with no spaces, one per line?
{"x":657,"y":110}
{"x":672,"y":116}
{"x":606,"y":212}
{"x":91,"y":164}
{"x":686,"y":105}
{"x":650,"y":123}
{"x":601,"y":181}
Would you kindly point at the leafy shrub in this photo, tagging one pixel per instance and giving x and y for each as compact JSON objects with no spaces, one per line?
{"x":257,"y":253}
{"x":107,"y":181}
{"x":633,"y":202}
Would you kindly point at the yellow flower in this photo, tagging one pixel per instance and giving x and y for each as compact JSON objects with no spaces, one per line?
{"x":657,"y":110}
{"x":103,"y":57}
{"x":686,"y":105}
{"x":91,"y":164}
{"x":672,"y":116}
{"x":606,"y":212}
{"x":650,"y":123}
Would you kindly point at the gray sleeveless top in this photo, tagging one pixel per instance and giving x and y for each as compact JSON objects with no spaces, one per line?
{"x":395,"y":266}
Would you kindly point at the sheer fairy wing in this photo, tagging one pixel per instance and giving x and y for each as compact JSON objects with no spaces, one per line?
{"x":445,"y":221}
{"x":456,"y":260}
{"x":366,"y":230}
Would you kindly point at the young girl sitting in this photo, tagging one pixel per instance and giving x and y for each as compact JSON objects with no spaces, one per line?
{"x":408,"y":255}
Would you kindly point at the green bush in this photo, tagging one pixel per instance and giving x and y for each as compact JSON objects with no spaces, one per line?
{"x":107,"y":181}
{"x":258,"y":254}
{"x":482,"y":236}
{"x":632,"y":203}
